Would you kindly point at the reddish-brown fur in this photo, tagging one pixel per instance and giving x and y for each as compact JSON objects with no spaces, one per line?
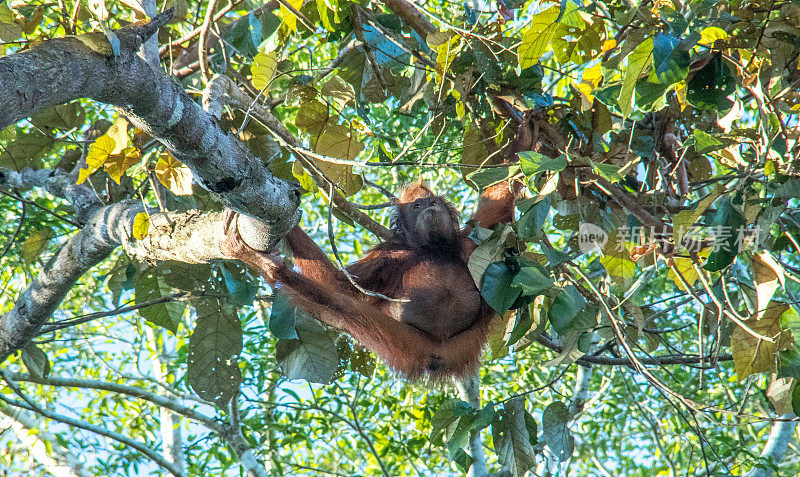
{"x":442,"y":324}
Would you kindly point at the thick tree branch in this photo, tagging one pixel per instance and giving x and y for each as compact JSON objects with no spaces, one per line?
{"x":64,"y":69}
{"x":780,"y":435}
{"x":57,"y":182}
{"x":189,"y":238}
{"x":469,"y":390}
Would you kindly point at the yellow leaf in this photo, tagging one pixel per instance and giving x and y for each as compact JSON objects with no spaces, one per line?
{"x":288,"y":17}
{"x":98,"y":154}
{"x":460,"y":108}
{"x":686,"y":269}
{"x":175,"y":176}
{"x":711,"y":34}
{"x":536,"y":38}
{"x":609,"y":44}
{"x":445,"y":54}
{"x":619,"y":268}
{"x":33,"y":246}
{"x":752,"y":354}
{"x":769,"y":168}
{"x":264,"y":67}
{"x":141,"y":225}
{"x":117,"y":164}
{"x":119,"y":132}
{"x":593,"y":75}
{"x":639,"y":61}
{"x":615,"y":257}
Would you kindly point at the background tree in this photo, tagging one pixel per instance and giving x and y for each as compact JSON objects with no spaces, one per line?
{"x":647,"y":290}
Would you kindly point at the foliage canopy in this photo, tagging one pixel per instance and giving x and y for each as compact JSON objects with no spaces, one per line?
{"x":648,"y":289}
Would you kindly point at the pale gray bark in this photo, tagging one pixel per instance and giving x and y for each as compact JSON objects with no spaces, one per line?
{"x":58,"y":183}
{"x":469,"y":390}
{"x":170,"y":422}
{"x":36,"y":304}
{"x":581,"y":392}
{"x":231,"y":433}
{"x":190,"y":238}
{"x":30,"y":405}
{"x":253,"y":467}
{"x":149,"y":50}
{"x":42,"y":445}
{"x":780,"y":434}
{"x":125,"y":390}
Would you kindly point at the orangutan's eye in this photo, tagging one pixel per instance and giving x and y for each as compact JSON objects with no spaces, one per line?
{"x":417,"y":205}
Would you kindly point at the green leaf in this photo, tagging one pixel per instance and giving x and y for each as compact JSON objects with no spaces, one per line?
{"x":243,"y":292}
{"x":62,"y":116}
{"x":729,"y":223}
{"x":312,"y":117}
{"x":555,"y":434}
{"x":670,"y":58}
{"x":512,"y":438}
{"x":447,"y":413}
{"x":282,"y":317}
{"x":483,"y":178}
{"x":789,"y":363}
{"x":609,"y":172}
{"x":313,"y":356}
{"x":498,"y":287}
{"x":619,"y":267}
{"x":531,"y":223}
{"x":608,"y":94}
{"x":531,"y":281}
{"x":34,"y":245}
{"x":9,"y":29}
{"x":245,"y":35}
{"x":35,"y":360}
{"x":638,"y":63}
{"x":491,"y":248}
{"x":565,"y":307}
{"x":216,"y":342}
{"x":796,"y":400}
{"x":705,"y":143}
{"x":152,"y":286}
{"x":536,"y":39}
{"x":685,"y":219}
{"x":532,"y":163}
{"x":27,"y":150}
{"x":710,"y":86}
{"x":554,"y":257}
{"x":584,"y":43}
{"x":338,"y":141}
